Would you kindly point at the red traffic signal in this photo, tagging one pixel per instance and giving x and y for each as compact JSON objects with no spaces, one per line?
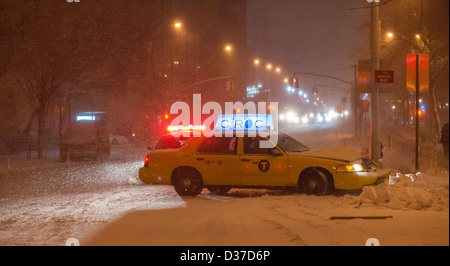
{"x":365,"y":106}
{"x":420,"y":112}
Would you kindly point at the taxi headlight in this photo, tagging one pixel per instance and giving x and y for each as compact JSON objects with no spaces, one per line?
{"x":349,"y":168}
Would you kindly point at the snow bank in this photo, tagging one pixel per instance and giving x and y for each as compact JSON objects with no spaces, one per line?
{"x":420,"y":191}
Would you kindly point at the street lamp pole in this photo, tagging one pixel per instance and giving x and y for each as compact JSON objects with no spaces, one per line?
{"x":355,"y":100}
{"x":375,"y":54}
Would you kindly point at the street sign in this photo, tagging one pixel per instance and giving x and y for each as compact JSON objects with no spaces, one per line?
{"x":424,"y":72}
{"x":365,"y":76}
{"x":384,"y":76}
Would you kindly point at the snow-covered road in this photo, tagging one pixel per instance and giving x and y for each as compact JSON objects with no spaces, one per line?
{"x":105,"y":204}
{"x":47,"y":204}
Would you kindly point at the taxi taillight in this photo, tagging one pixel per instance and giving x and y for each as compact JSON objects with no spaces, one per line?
{"x":146,"y":161}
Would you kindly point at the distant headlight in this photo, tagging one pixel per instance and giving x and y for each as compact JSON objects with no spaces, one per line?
{"x":349,"y":168}
{"x":304,"y":119}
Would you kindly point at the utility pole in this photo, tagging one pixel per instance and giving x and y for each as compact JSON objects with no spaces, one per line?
{"x":375,"y":54}
{"x":355,"y":103}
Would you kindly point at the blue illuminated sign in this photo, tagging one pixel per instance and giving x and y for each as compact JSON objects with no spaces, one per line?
{"x":244,"y":122}
{"x":85,"y":117}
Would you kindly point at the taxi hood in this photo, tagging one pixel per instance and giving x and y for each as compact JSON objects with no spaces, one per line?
{"x":338,"y":153}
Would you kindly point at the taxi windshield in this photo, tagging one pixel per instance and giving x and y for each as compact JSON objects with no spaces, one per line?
{"x":289,"y":144}
{"x":170,"y":142}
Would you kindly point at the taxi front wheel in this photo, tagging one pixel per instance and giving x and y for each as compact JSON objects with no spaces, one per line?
{"x":187,"y":182}
{"x":313,"y":182}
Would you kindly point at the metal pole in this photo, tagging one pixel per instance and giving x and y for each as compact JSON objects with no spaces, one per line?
{"x":355,"y":103}
{"x":375,"y":152}
{"x":417,"y":112}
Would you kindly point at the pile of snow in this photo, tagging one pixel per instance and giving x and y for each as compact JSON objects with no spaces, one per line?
{"x":420,"y":191}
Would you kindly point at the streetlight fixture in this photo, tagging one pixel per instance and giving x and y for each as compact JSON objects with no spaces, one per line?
{"x":177,"y":25}
{"x":256,"y":62}
{"x":269,"y":66}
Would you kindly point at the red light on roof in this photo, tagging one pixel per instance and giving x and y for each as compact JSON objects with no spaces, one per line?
{"x":185,"y":128}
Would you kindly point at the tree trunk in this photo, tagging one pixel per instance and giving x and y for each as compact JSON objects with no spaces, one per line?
{"x":25,"y":129}
{"x":435,"y":112}
{"x":40,"y":140}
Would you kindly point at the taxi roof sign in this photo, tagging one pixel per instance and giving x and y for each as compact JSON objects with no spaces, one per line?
{"x":244,"y":122}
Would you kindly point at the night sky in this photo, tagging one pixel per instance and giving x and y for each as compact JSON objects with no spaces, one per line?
{"x":309,"y":36}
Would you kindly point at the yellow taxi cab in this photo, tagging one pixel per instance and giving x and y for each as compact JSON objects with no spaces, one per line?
{"x":190,"y":164}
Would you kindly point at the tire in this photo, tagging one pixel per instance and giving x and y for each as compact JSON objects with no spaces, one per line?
{"x":314,"y":182}
{"x":219,"y":190}
{"x":188,"y":182}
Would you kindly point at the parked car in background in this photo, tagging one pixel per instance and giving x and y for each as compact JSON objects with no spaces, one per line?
{"x":85,"y":140}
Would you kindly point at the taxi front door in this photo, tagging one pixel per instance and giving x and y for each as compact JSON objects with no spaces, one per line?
{"x":262,"y":166}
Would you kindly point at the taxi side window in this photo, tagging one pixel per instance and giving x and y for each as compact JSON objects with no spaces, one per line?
{"x":251,"y":146}
{"x":205,"y":146}
{"x":221,"y":145}
{"x":170,"y":142}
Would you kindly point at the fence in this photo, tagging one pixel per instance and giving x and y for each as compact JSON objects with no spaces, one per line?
{"x":28,"y":144}
{"x":406,"y":150}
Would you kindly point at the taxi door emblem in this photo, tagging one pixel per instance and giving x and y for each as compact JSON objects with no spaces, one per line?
{"x":264,"y":166}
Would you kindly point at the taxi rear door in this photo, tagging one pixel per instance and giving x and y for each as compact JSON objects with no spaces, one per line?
{"x":262,"y":166}
{"x":218,"y":162}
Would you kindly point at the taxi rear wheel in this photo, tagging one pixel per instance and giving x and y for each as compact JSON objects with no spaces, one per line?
{"x":188,"y":182}
{"x":313,"y":182}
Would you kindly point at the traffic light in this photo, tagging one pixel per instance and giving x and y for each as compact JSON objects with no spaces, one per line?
{"x":420,"y":112}
{"x":293,"y":82}
{"x":230,"y":86}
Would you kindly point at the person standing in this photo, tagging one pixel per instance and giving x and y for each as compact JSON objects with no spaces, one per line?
{"x":444,"y":139}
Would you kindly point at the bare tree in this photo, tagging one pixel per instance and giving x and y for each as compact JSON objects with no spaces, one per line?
{"x":41,"y":86}
{"x":422,"y":27}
